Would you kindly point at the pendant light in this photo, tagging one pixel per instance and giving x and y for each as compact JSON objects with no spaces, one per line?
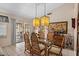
{"x":36,"y":20}
{"x":45,"y":19}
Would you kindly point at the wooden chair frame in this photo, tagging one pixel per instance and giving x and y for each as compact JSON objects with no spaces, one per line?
{"x":61,"y":46}
{"x":27,"y":42}
{"x":37,"y":50}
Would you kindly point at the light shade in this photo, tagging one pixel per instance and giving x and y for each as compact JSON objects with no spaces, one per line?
{"x":36,"y":22}
{"x":45,"y":21}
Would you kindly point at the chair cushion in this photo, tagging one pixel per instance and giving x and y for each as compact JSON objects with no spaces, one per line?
{"x":41,"y":46}
{"x":55,"y":49}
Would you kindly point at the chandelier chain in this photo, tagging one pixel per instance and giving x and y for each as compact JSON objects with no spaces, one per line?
{"x":45,"y":9}
{"x":36,"y":10}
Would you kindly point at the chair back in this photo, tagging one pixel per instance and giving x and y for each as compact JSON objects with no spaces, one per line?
{"x":50,"y":36}
{"x":57,"y":46}
{"x":34,"y":41}
{"x":58,"y":40}
{"x":27,"y":41}
{"x":41,"y":35}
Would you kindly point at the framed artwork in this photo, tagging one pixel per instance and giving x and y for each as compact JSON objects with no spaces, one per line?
{"x":59,"y":27}
{"x":73,"y":23}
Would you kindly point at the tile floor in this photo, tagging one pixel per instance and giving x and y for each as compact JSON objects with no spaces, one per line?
{"x":18,"y":50}
{"x":15,"y":50}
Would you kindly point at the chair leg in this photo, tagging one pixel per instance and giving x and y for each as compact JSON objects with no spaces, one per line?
{"x":61,"y":54}
{"x":31,"y":52}
{"x":24,"y":50}
{"x":47,"y":53}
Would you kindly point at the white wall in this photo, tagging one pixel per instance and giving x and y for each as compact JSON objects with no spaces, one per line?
{"x":7,"y":40}
{"x":75,"y":30}
{"x":63,"y":13}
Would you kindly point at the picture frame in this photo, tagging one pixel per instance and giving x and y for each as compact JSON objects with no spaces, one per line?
{"x":59,"y":27}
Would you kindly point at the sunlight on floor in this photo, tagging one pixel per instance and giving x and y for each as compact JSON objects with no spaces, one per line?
{"x":15,"y":50}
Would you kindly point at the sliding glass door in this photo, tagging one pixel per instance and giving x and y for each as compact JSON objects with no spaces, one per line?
{"x":19,"y":32}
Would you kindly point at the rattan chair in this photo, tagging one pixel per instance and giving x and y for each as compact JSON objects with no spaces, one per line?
{"x":56,"y":47}
{"x":50,"y":36}
{"x":41,"y":35}
{"x":27,"y":42}
{"x":37,"y":48}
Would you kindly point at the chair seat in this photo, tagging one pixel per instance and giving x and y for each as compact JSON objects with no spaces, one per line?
{"x":55,"y":49}
{"x":41,"y":46}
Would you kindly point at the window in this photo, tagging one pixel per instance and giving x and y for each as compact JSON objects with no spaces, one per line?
{"x":3,"y":29}
{"x":4,"y":19}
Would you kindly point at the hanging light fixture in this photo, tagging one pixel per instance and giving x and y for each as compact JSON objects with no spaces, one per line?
{"x":44,"y":19}
{"x":36,"y":20}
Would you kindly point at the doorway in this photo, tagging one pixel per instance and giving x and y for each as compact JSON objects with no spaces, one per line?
{"x":19,"y":32}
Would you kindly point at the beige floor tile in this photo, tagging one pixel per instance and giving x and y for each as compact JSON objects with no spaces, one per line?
{"x":15,"y":50}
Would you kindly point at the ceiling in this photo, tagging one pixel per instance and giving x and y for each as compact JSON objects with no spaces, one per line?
{"x":28,"y":9}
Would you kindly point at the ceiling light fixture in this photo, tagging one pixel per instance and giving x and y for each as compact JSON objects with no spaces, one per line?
{"x":36,"y":20}
{"x":45,"y":19}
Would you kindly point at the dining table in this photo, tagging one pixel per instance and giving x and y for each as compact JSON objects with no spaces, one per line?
{"x":46,"y":43}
